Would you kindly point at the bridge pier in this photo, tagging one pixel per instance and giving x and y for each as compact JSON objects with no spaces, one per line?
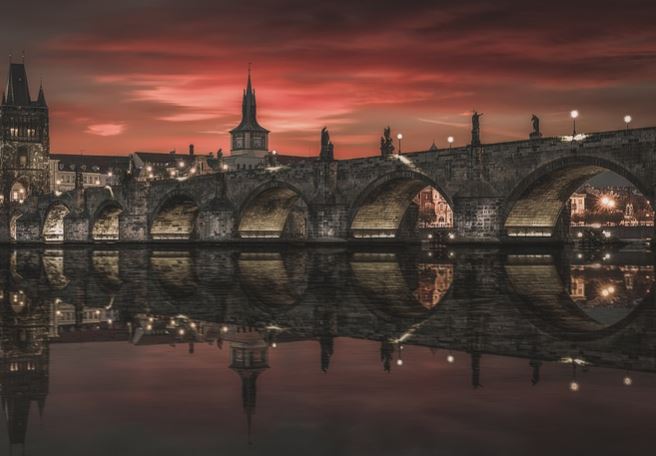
{"x":477,"y":219}
{"x":217,"y":222}
{"x":76,"y":228}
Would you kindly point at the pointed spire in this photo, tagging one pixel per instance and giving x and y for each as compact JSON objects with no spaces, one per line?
{"x":41,"y":99}
{"x":249,"y":109}
{"x":17,"y":92}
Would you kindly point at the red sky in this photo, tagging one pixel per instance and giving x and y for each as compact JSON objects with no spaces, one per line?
{"x":160,"y":74}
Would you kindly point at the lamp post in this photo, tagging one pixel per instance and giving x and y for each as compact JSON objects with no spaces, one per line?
{"x":574,"y":114}
{"x":399,"y":137}
{"x":627,"y":121}
{"x":450,"y":141}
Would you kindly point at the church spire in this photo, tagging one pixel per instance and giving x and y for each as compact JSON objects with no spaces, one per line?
{"x":249,"y":110}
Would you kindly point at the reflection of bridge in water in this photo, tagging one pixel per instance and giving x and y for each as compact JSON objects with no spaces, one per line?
{"x":544,"y":306}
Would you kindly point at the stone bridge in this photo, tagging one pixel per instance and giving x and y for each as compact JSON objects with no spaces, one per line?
{"x":498,"y":192}
{"x":479,"y":301}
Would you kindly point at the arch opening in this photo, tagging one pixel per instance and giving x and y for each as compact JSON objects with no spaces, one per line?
{"x":275,"y":213}
{"x":175,"y":220}
{"x":577,"y":201}
{"x":407,"y":208}
{"x":106,"y":223}
{"x":18,"y":193}
{"x":53,"y":226}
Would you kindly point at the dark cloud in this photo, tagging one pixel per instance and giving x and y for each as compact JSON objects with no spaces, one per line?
{"x":168,"y":70}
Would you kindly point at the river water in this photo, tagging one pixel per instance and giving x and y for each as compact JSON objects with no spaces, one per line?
{"x":171,"y":350}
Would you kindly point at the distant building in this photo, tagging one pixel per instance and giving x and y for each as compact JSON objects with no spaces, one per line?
{"x":96,"y":170}
{"x":610,"y":206}
{"x":434,"y":210}
{"x":156,"y":165}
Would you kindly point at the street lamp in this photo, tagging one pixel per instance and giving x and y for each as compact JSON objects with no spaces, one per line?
{"x":627,"y":120}
{"x":574,"y":114}
{"x":450,"y":141}
{"x":399,"y":137}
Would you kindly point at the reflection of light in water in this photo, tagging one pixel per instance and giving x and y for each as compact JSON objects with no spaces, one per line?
{"x":574,"y":386}
{"x":434,"y":282}
{"x":608,"y":293}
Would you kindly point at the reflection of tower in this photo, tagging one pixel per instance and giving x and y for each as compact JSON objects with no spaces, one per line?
{"x":24,"y":362}
{"x":476,"y":369}
{"x":249,"y":358}
{"x":327,"y":347}
{"x":386,"y":352}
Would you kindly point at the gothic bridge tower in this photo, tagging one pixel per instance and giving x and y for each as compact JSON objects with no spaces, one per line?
{"x":249,"y":138}
{"x":24,"y":139}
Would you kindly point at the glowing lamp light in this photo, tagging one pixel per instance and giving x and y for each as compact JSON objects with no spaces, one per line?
{"x":574,"y":386}
{"x":274,"y":345}
{"x":172,"y":173}
{"x":181,"y":164}
{"x":450,"y":359}
{"x":224,"y":329}
{"x":450,"y":139}
{"x":430,"y":236}
{"x":452,"y":236}
{"x":109,"y":174}
{"x":399,"y":362}
{"x":399,"y":136}
{"x":274,"y":152}
{"x":579,"y":234}
{"x":225,"y":167}
{"x":574,"y":114}
{"x":193,"y":170}
{"x":627,"y":119}
{"x":149,"y":327}
{"x":58,"y":181}
{"x":149,"y":168}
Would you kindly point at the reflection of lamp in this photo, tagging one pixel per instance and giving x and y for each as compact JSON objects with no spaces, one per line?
{"x":627,"y":381}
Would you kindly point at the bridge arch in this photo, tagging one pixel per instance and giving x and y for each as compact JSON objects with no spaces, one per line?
{"x":175,"y":217}
{"x":380,"y":210}
{"x":105,"y":222}
{"x":274,"y":210}
{"x":535,"y":206}
{"x":53,"y":223}
{"x":20,"y":189}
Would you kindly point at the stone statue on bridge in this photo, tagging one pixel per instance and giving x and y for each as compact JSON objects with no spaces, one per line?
{"x":476,"y":129}
{"x":327,"y":148}
{"x":535,"y":121}
{"x":386,"y":143}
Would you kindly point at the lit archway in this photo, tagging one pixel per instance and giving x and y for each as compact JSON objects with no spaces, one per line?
{"x":19,"y":192}
{"x":401,"y":207}
{"x":53,"y":226}
{"x":106,"y":223}
{"x":274,"y":212}
{"x":536,"y":208}
{"x":175,"y":219}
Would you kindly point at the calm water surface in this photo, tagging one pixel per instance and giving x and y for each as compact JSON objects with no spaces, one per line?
{"x":170,"y":351}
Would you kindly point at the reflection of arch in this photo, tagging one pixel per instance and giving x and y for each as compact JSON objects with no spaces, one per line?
{"x":175,"y":274}
{"x":274,"y":210}
{"x":175,"y":218}
{"x":105,"y":222}
{"x":13,"y":221}
{"x":394,"y":290}
{"x":53,"y":264}
{"x":53,"y":225}
{"x":276,"y":282}
{"x":535,"y":205}
{"x":106,"y":269}
{"x":549,"y":305}
{"x":379,"y":210}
